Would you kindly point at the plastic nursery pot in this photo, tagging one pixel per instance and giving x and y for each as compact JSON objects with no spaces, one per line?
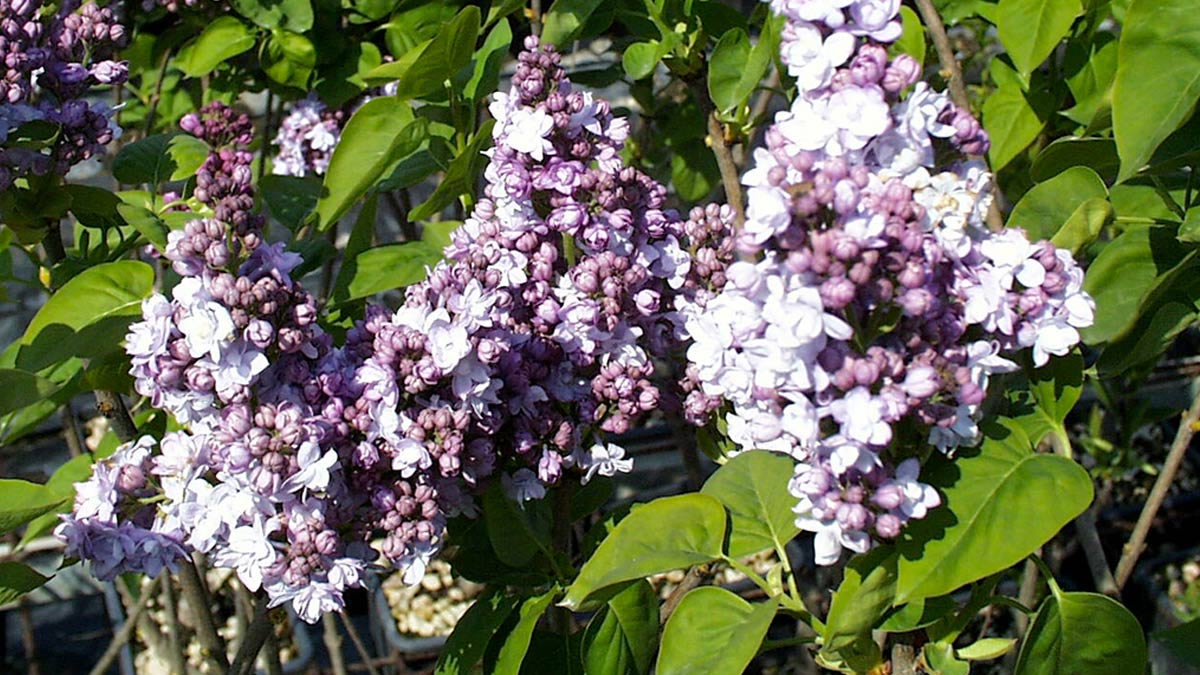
{"x":433,"y":607}
{"x":305,"y":650}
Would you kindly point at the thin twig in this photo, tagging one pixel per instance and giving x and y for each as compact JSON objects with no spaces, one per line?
{"x":271,"y":649}
{"x":359,"y":645}
{"x":175,"y":644}
{"x":333,"y":644}
{"x":122,"y":636}
{"x":1085,"y":530}
{"x":156,"y":95}
{"x":71,"y":431}
{"x":112,"y":406}
{"x":1028,"y":592}
{"x":1137,"y":541}
{"x":212,"y":647}
{"x":535,"y":17}
{"x":252,"y":640}
{"x":696,"y":576}
{"x":28,"y":641}
{"x":266,"y":134}
{"x":716,"y":138}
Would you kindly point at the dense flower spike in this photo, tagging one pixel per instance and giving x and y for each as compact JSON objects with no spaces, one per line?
{"x":879,"y":303}
{"x":51,"y":61}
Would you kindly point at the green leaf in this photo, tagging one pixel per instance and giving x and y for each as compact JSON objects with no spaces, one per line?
{"x":867,"y":591}
{"x":694,"y":170}
{"x":753,"y":487}
{"x":425,"y":69}
{"x":518,"y":532}
{"x":1011,"y":122}
{"x":641,"y":58}
{"x":1084,"y":225}
{"x":1182,"y":642}
{"x":1082,"y":633}
{"x":460,"y":176}
{"x":1189,"y":231}
{"x":486,"y":74}
{"x":414,"y":25}
{"x":294,"y":15}
{"x":288,"y":58}
{"x":382,"y":130}
{"x":1031,"y":29}
{"x":61,"y":484}
{"x":390,"y":266}
{"x":986,"y":649}
{"x":512,"y":653}
{"x":17,"y":579}
{"x":22,"y":501}
{"x":146,"y":223}
{"x":623,"y":637}
{"x":713,"y":632}
{"x":160,"y":158}
{"x":94,"y":207}
{"x":984,"y":491}
{"x":19,"y":388}
{"x":1124,"y":272}
{"x":566,"y":19}
{"x":942,"y":661}
{"x":912,"y":39}
{"x":1098,"y":154}
{"x":1158,"y":77}
{"x":735,"y":69}
{"x":1091,"y":85}
{"x":466,"y":645}
{"x":290,"y":198}
{"x":1056,"y":388}
{"x":1044,"y":210}
{"x":88,"y":316}
{"x":667,"y":534}
{"x":222,"y":39}
{"x":918,"y":614}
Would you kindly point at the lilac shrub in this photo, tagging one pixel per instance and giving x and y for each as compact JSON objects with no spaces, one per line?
{"x":52,"y":60}
{"x":872,"y":300}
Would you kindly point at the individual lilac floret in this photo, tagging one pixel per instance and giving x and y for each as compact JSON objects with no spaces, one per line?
{"x":116,"y":524}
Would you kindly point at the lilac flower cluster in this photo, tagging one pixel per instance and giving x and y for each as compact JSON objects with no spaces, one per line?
{"x":307,"y":137}
{"x":223,"y":182}
{"x":536,"y":335}
{"x":879,"y":303}
{"x":51,"y":61}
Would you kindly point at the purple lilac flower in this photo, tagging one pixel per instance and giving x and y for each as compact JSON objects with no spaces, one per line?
{"x":306,"y":138}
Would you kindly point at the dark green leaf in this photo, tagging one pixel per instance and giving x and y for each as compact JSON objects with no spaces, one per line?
{"x":517,"y":532}
{"x":1123,"y":274}
{"x":713,"y":632}
{"x":1182,"y":642}
{"x":753,"y":487}
{"x":1045,"y":209}
{"x":1091,"y":85}
{"x":224,"y":38}
{"x":1098,"y":154}
{"x":288,"y":58}
{"x":1084,"y":225}
{"x":465,"y":646}
{"x":382,"y":130}
{"x":912,"y":40}
{"x":624,"y":635}
{"x":1190,"y":230}
{"x":425,"y":69}
{"x":667,"y":534}
{"x":161,"y":158}
{"x":1030,"y":29}
{"x":17,"y":579}
{"x":735,"y":69}
{"x":1011,"y":122}
{"x":94,"y":207}
{"x":294,"y":15}
{"x":389,"y":267}
{"x":867,"y":591}
{"x":512,"y":653}
{"x":1158,"y":77}
{"x":984,"y":492}
{"x":694,"y":170}
{"x":61,"y":484}
{"x":918,"y":614}
{"x":290,"y":198}
{"x":485,"y":76}
{"x":460,"y":177}
{"x":1082,"y":633}
{"x":146,"y":223}
{"x":19,"y":388}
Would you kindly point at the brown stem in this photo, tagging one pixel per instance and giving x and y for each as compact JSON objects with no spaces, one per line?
{"x":111,"y":405}
{"x":266,"y":134}
{"x":1137,"y":540}
{"x":121,"y":637}
{"x":1085,"y":529}
{"x":696,"y":576}
{"x":252,"y":640}
{"x":156,"y":95}
{"x":175,"y":644}
{"x":71,"y":431}
{"x":1027,"y":594}
{"x":212,"y":647}
{"x":359,"y":645}
{"x":716,"y":139}
{"x":535,"y":17}
{"x":28,"y":642}
{"x":333,"y":644}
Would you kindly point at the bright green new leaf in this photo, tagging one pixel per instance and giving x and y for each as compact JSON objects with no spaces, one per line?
{"x":389,"y":267}
{"x":88,"y":316}
{"x":941,"y":660}
{"x":485,"y":76}
{"x":1084,"y":225}
{"x":1189,"y":231}
{"x":867,"y":591}
{"x":623,"y":636}
{"x":425,"y":69}
{"x":736,"y":68}
{"x":986,"y":649}
{"x":713,"y":632}
{"x":382,"y":130}
{"x":1031,"y":29}
{"x":667,"y":534}
{"x":19,"y":388}
{"x":912,"y":39}
{"x":640,"y":58}
{"x":1158,"y":77}
{"x":466,"y":645}
{"x":160,"y":158}
{"x":1045,"y":209}
{"x":1082,"y":633}
{"x":753,"y":487}
{"x":1011,"y":122}
{"x":223,"y":38}
{"x":984,"y":492}
{"x":565,"y":19}
{"x":1091,"y":85}
{"x":22,"y":501}
{"x":512,"y":653}
{"x":288,"y":58}
{"x":17,"y":579}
